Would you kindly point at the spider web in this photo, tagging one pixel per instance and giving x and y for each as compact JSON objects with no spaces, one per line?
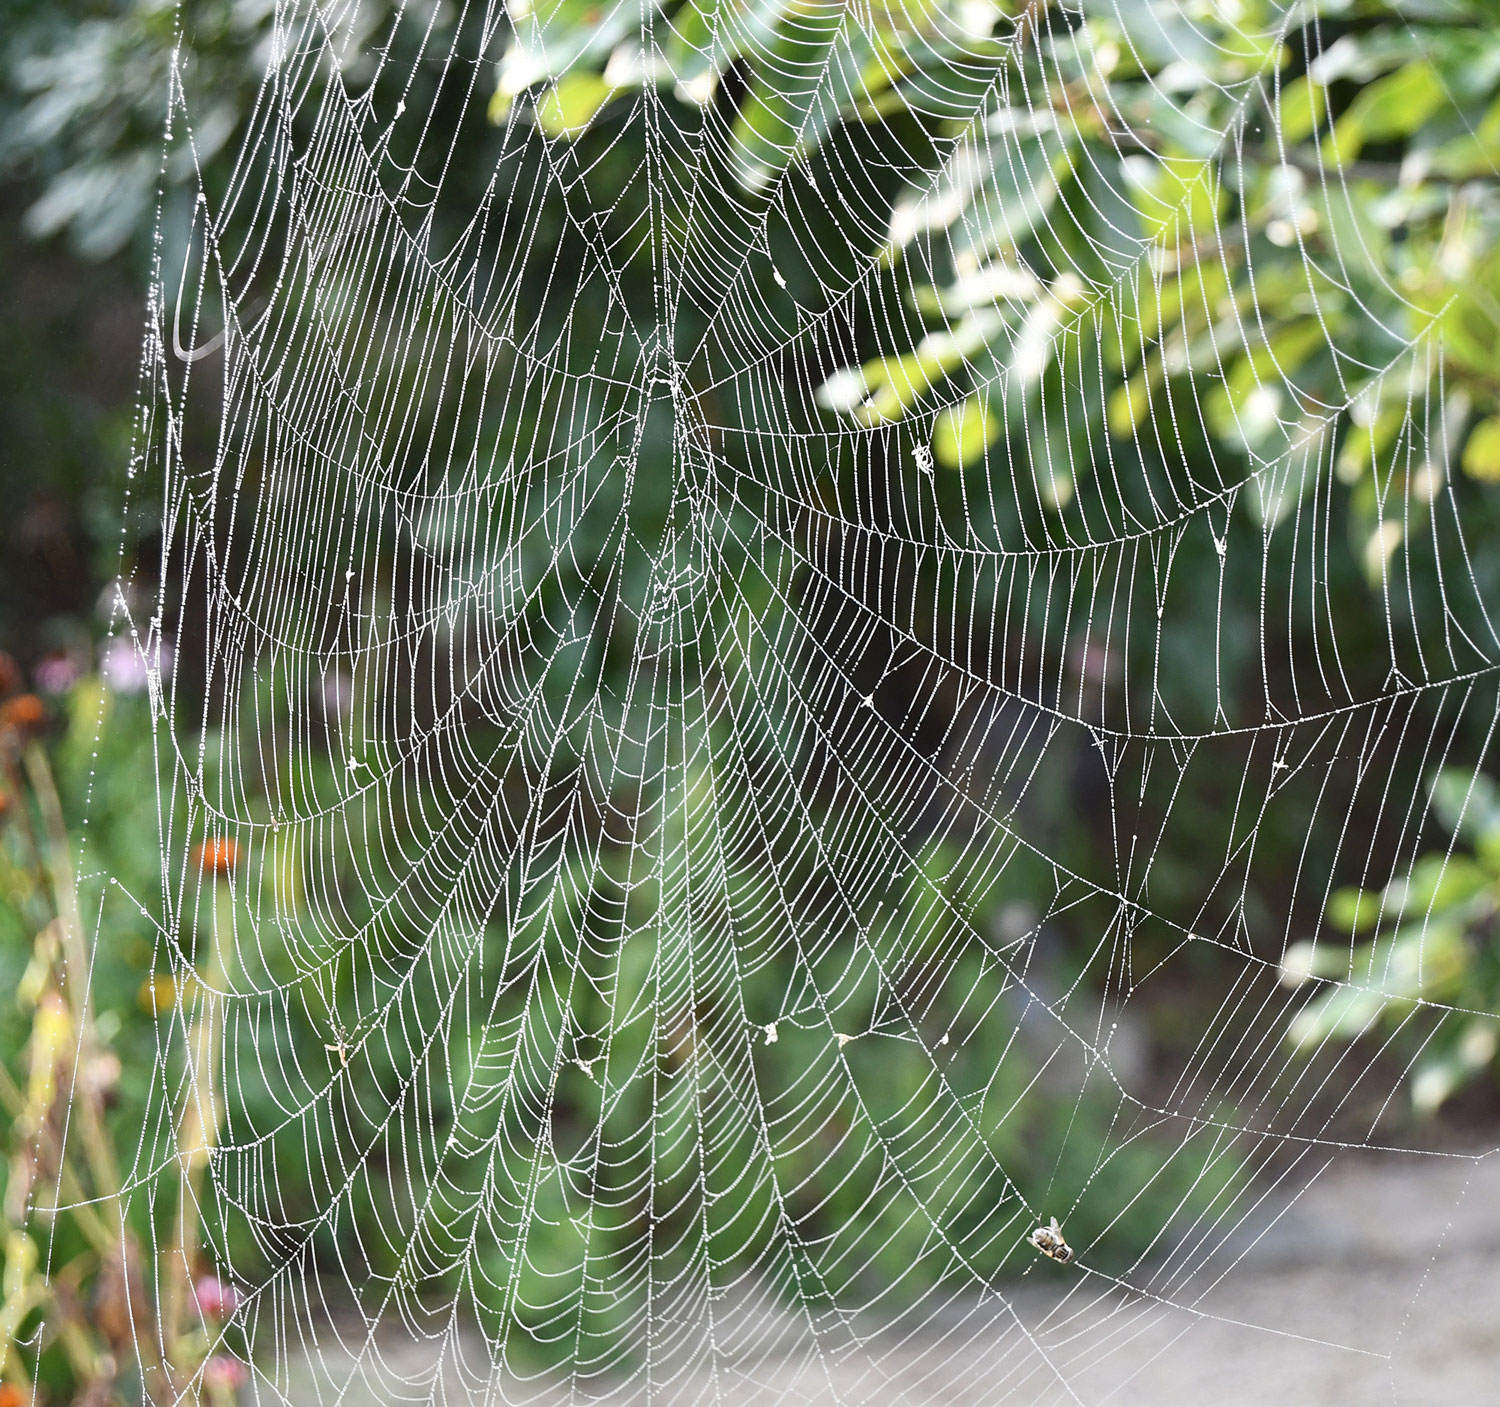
{"x":652,"y":583}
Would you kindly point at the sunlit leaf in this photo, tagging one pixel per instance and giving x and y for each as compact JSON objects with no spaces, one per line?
{"x":571,"y":104}
{"x":1481,"y":458}
{"x":962,"y":433}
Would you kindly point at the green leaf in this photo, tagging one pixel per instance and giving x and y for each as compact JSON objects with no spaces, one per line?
{"x":1309,"y":958}
{"x":1380,"y":546}
{"x":1013,"y":177}
{"x":1481,"y":458}
{"x":1393,"y":106}
{"x":1354,"y":910}
{"x":1128,"y":405}
{"x":1418,"y":960}
{"x":1341,"y":1012}
{"x":1303,"y":108}
{"x":890,"y":385}
{"x":963,"y":432}
{"x":1366,"y":444}
{"x":1467,"y":805}
{"x":1183,"y":196}
{"x":1440,"y":1073}
{"x":1475,"y":153}
{"x":769,"y":127}
{"x":1436,"y":883}
{"x":571,"y":104}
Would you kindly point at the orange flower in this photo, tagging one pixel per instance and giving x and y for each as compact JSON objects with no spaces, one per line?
{"x":218,"y":856}
{"x":11,"y":1396}
{"x":23,"y":712}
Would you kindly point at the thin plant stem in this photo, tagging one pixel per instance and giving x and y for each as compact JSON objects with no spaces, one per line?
{"x":198,"y":1126}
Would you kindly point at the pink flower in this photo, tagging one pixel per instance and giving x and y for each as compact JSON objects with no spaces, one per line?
{"x":55,"y":673}
{"x":127,"y":670}
{"x":214,"y":1298}
{"x":224,"y":1373}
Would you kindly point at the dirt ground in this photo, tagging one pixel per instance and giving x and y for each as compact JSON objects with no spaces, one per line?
{"x":1379,"y":1284}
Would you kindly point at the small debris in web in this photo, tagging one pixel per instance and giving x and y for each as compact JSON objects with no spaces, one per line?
{"x":339,"y":1046}
{"x":770,"y":1033}
{"x":1049,"y":1241}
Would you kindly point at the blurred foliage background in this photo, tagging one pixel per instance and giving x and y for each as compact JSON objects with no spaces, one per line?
{"x":1324,"y":299}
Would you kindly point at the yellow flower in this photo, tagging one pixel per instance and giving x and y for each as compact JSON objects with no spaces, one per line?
{"x":161,"y":992}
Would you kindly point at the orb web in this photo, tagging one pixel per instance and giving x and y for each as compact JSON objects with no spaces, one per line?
{"x":685,"y":528}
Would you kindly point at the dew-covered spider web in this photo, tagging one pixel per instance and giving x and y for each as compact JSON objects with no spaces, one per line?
{"x":787,"y":618}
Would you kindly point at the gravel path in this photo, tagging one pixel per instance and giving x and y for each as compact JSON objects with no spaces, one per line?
{"x":1397,"y":1258}
{"x":1379,"y":1285}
